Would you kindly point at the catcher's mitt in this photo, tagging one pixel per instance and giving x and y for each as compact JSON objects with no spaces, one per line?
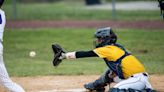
{"x":57,"y":49}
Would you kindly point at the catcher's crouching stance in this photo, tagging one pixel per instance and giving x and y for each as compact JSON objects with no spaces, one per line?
{"x":123,"y":68}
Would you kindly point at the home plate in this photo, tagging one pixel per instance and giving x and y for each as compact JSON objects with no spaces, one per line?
{"x":66,"y":90}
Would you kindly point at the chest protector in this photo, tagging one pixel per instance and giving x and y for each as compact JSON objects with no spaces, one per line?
{"x":115,"y":66}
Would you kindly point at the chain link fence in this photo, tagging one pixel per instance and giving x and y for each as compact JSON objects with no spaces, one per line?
{"x":94,"y":1}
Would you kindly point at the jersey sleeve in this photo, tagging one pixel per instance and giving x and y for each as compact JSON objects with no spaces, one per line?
{"x":82,"y":54}
{"x":103,"y":52}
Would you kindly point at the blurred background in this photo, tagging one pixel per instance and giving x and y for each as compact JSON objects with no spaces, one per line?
{"x":34,"y":25}
{"x":81,"y":9}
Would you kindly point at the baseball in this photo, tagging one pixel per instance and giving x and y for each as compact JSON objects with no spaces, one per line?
{"x":32,"y":54}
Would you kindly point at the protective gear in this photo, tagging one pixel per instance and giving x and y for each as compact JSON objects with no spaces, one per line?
{"x":58,"y":54}
{"x":129,"y":90}
{"x":116,"y":66}
{"x":99,"y":84}
{"x":149,"y":90}
{"x":105,"y":36}
{"x":117,"y":90}
{"x":1,"y":3}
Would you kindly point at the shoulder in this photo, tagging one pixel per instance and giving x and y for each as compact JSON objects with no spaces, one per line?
{"x":104,"y":48}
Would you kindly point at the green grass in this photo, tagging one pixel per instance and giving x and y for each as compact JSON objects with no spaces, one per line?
{"x":73,"y":11}
{"x":147,"y":45}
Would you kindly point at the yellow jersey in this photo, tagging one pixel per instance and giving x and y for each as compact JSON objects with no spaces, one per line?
{"x":129,"y":64}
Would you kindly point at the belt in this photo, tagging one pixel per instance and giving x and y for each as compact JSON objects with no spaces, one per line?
{"x":144,"y":74}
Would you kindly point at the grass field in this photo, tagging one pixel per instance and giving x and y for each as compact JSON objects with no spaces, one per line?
{"x":147,"y":45}
{"x":73,"y":11}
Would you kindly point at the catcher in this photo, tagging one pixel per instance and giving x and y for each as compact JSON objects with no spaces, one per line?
{"x":123,"y":68}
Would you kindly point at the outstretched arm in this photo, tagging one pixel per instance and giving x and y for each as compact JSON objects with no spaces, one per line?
{"x":80,"y":54}
{"x":60,"y":54}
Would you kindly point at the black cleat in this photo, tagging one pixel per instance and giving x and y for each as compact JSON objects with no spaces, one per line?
{"x":92,"y":88}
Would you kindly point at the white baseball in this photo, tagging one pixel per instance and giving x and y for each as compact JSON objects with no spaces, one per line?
{"x":32,"y":54}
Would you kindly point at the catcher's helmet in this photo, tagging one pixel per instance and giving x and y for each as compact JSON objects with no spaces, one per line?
{"x":1,"y":3}
{"x":105,"y":36}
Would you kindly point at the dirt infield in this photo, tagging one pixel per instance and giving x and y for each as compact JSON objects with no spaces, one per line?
{"x":147,"y":24}
{"x":68,"y":83}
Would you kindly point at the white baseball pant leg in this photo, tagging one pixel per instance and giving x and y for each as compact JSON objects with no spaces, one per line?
{"x":138,"y":82}
{"x":4,"y":77}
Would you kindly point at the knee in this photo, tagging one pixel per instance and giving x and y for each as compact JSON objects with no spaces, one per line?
{"x":6,"y":81}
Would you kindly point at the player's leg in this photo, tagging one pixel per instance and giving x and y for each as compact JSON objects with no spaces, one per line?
{"x":4,"y":77}
{"x":100,"y":83}
{"x":161,"y":5}
{"x":138,"y":82}
{"x":97,"y":85}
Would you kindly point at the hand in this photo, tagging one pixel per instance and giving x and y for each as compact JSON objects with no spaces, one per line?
{"x":59,"y":54}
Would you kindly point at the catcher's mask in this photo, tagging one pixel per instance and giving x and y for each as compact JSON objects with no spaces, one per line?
{"x":1,"y":3}
{"x":104,"y":36}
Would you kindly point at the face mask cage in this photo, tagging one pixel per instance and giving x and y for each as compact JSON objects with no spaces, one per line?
{"x":97,"y":42}
{"x":100,"y":42}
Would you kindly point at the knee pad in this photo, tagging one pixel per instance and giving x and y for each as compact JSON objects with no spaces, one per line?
{"x":144,"y":90}
{"x":95,"y":86}
{"x":133,"y":90}
{"x":130,"y":90}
